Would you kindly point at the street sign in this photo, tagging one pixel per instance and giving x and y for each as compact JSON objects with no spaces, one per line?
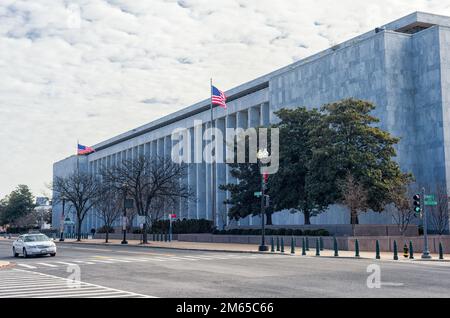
{"x":172,"y":216}
{"x":257,"y":194}
{"x":430,"y":200}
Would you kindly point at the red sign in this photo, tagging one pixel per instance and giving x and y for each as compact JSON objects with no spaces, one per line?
{"x":172,"y":216}
{"x":266,"y":177}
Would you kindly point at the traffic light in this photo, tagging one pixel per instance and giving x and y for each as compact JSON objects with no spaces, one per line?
{"x":416,"y":204}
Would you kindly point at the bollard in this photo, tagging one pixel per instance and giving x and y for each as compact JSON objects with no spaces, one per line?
{"x":292,"y":246}
{"x":321,"y":243}
{"x":441,"y":251}
{"x":169,"y":237}
{"x":282,"y":245}
{"x":307,"y":243}
{"x":405,"y":251}
{"x":356,"y":248}
{"x":272,"y":246}
{"x":377,"y":250}
{"x":278,"y":244}
{"x":395,"y":251}
{"x":335,"y":245}
{"x":303,"y":247}
{"x":165,"y":237}
{"x":317,"y":247}
{"x":411,"y":252}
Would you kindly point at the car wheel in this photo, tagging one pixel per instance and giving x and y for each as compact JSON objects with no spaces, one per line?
{"x":53,"y":254}
{"x":25,"y":254}
{"x":14,"y":252}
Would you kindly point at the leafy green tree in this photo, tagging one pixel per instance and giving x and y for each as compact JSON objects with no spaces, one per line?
{"x":348,"y":142}
{"x":18,"y":204}
{"x":288,"y":187}
{"x":242,"y":199}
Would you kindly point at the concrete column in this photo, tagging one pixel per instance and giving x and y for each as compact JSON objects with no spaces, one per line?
{"x":154,"y":146}
{"x":192,"y":177}
{"x":242,"y":122}
{"x":201,"y":178}
{"x":221,"y":172}
{"x":231,"y":121}
{"x":254,"y":120}
{"x":265,"y":114}
{"x":208,"y":181}
{"x":254,"y":116}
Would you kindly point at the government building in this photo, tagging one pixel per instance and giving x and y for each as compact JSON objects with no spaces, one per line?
{"x":402,"y":67}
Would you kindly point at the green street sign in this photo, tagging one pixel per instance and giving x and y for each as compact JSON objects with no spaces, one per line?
{"x":430,"y":200}
{"x":257,"y":194}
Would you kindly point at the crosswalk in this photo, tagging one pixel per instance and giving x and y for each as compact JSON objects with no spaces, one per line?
{"x":157,"y":258}
{"x":17,"y":283}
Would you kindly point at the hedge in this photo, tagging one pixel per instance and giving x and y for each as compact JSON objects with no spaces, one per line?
{"x":288,"y":232}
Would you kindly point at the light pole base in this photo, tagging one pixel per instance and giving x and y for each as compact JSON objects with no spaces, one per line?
{"x":61,"y":240}
{"x":263,"y":248}
{"x":124,"y":242}
{"x":426,"y":255}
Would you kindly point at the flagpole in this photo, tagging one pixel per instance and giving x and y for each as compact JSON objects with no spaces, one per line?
{"x":213,"y":164}
{"x":78,"y":159}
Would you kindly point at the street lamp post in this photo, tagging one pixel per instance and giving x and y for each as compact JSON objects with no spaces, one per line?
{"x":124,"y":221}
{"x":61,"y":238}
{"x":262,"y":154}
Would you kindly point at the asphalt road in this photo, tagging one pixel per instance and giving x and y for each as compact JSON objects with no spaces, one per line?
{"x":135,"y":272}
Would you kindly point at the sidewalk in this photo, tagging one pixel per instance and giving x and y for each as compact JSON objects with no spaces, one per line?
{"x":249,"y":248}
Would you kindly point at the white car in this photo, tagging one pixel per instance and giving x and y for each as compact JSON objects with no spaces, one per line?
{"x":33,"y":244}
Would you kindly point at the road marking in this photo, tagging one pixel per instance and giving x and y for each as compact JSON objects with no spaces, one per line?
{"x":47,"y":264}
{"x":27,"y":266}
{"x":118,"y":260}
{"x":102,"y":261}
{"x":23,"y":283}
{"x":84,"y":262}
{"x":66,"y":263}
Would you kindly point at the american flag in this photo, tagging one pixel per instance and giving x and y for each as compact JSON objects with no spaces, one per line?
{"x":84,"y":150}
{"x":218,"y":97}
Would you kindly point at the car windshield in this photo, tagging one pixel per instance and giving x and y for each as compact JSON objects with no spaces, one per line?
{"x":36,"y":238}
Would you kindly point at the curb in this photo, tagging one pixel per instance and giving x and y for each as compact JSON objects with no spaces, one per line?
{"x":164,"y":247}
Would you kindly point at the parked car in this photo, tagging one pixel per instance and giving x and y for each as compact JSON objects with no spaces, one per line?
{"x":33,"y":244}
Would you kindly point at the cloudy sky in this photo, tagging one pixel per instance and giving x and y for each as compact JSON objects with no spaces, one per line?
{"x":91,"y":69}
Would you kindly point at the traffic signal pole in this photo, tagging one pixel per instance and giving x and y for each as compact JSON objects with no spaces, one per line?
{"x":426,"y":251}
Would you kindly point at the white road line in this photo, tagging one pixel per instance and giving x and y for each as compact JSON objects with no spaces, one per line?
{"x":183,"y":258}
{"x":154,"y":259}
{"x":102,"y":261}
{"x":66,"y":263}
{"x":34,"y":284}
{"x":27,"y":266}
{"x":47,"y":264}
{"x":84,"y":262}
{"x":118,"y":260}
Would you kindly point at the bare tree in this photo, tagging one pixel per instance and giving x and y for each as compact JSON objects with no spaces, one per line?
{"x":439,"y":213}
{"x":108,"y":206}
{"x":354,"y":197}
{"x":149,"y":179}
{"x":401,"y":207}
{"x":81,"y":190}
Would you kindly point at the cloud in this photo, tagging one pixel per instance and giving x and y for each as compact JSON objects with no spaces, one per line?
{"x":82,"y":70}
